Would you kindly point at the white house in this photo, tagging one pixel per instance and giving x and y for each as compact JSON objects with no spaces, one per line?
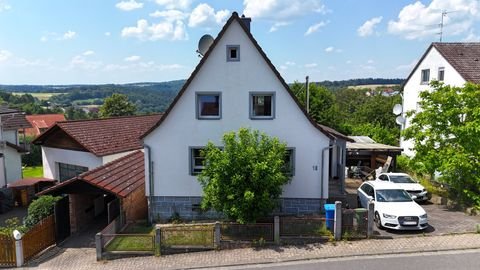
{"x":11,"y":149}
{"x":451,"y":63}
{"x":235,"y":85}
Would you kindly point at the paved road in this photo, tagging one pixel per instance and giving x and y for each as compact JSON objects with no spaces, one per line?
{"x":465,"y":260}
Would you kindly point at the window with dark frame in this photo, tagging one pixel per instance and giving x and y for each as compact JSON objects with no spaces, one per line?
{"x":262,"y":105}
{"x":69,"y":171}
{"x":289,"y":162}
{"x":425,"y":76}
{"x":233,"y":53}
{"x":196,"y":160}
{"x":209,"y":106}
{"x":441,"y":74}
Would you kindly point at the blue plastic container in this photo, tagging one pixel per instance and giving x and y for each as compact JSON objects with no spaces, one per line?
{"x":329,"y":214}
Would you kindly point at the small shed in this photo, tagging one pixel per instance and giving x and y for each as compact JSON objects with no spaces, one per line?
{"x":365,"y":152}
{"x":25,"y":190}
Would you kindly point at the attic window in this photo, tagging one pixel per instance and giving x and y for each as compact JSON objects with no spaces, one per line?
{"x":425,"y":76}
{"x":262,"y":105}
{"x":233,"y":53}
{"x":441,"y":74}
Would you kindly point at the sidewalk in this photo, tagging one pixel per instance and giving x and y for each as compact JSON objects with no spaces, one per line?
{"x":84,"y":258}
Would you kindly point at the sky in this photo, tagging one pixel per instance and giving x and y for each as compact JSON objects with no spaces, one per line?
{"x":113,"y":41}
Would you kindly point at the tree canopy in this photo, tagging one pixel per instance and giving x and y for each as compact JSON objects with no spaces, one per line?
{"x":446,"y":134}
{"x":244,"y":179}
{"x":117,"y":105}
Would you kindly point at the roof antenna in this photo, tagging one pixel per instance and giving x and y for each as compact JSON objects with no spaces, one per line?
{"x":444,"y":14}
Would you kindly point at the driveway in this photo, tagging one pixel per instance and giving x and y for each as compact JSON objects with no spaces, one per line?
{"x":441,"y":219}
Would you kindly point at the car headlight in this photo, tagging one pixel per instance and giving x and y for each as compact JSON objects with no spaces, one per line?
{"x":424,"y":216}
{"x":389,"y":216}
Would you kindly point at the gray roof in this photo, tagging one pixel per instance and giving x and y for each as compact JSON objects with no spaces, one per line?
{"x":366,"y":143}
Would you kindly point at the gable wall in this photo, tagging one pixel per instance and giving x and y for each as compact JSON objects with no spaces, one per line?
{"x":171,"y":141}
{"x":433,"y":60}
{"x":51,"y":156}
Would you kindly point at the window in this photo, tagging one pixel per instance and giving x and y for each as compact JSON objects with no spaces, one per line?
{"x":383,"y":177}
{"x":441,"y":74}
{"x":289,"y":165}
{"x":68,"y":171}
{"x":233,"y":53}
{"x":209,"y":105}
{"x":425,"y":76}
{"x":262,"y":105}
{"x":368,"y":190}
{"x":196,"y":160}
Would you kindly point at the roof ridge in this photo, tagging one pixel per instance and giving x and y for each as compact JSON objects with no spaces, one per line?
{"x":109,"y":118}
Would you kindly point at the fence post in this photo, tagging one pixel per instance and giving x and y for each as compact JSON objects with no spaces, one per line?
{"x":98,"y":245}
{"x":19,"y":252}
{"x":370,"y":217}
{"x":337,"y":227}
{"x":276,"y":230}
{"x":158,"y":239}
{"x":216,"y":236}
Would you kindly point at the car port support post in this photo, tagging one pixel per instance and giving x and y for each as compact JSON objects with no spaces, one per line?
{"x":370,"y":217}
{"x":337,"y":228}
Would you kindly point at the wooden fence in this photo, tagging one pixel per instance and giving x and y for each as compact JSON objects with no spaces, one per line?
{"x":41,"y":236}
{"x":7,"y":251}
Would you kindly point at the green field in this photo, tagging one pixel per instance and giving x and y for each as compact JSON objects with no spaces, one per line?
{"x":40,"y":96}
{"x":371,"y":86}
{"x":33,"y":172}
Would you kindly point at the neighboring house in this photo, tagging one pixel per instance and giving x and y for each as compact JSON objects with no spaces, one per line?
{"x":451,"y":63}
{"x":41,"y":122}
{"x":12,"y":146}
{"x":235,"y":85}
{"x":99,"y":164}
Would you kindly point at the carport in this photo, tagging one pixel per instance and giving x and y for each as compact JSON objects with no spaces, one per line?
{"x":102,"y":194}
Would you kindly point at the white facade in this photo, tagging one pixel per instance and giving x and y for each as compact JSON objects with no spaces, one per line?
{"x":170,"y":143}
{"x":433,"y":61}
{"x":12,"y":162}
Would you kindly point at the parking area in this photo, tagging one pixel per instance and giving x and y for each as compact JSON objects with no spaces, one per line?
{"x":441,"y":219}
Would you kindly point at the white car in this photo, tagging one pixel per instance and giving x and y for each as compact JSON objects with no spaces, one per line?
{"x":393,"y":206}
{"x":403,"y":180}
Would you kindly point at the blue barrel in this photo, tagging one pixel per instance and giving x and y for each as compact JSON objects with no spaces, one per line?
{"x":329,"y":214}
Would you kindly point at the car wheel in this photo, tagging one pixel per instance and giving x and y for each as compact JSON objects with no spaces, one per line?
{"x":377,"y":220}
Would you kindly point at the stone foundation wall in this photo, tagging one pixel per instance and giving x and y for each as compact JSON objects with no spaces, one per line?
{"x":188,"y":208}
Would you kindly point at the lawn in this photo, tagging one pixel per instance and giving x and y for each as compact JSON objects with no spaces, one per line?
{"x":138,"y":237}
{"x":40,"y":96}
{"x":32,"y":172}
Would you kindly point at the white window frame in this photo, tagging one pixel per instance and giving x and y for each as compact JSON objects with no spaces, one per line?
{"x":229,"y":49}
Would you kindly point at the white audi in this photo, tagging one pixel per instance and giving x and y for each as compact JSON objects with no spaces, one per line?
{"x":394,"y":207}
{"x":403,"y":180}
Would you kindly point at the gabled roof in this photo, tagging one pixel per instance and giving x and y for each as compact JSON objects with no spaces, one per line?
{"x":463,"y":56}
{"x":120,"y":177}
{"x":15,"y":121}
{"x":105,"y":136}
{"x":366,"y":143}
{"x":236,"y":18}
{"x":40,"y":121}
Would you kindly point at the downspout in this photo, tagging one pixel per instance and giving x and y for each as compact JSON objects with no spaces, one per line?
{"x":323,"y":166}
{"x":150,"y":182}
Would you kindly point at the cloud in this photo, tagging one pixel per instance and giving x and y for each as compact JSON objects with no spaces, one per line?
{"x":107,"y":34}
{"x":370,"y":61}
{"x":314,"y":28}
{"x":311,"y":65}
{"x":5,"y":55}
{"x":174,"y":4}
{"x":68,"y":35}
{"x":132,"y":58}
{"x":417,"y":21}
{"x":329,"y":49}
{"x":333,"y":49}
{"x":169,"y":15}
{"x":161,"y":31}
{"x":348,"y":62}
{"x":87,"y":53}
{"x":204,"y":15}
{"x":129,"y":5}
{"x":4,"y":6}
{"x":277,"y":25}
{"x":290,"y":63}
{"x":81,"y":61}
{"x":368,"y":27}
{"x":281,"y":10}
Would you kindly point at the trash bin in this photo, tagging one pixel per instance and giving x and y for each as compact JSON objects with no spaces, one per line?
{"x":361,"y":217}
{"x":329,"y":214}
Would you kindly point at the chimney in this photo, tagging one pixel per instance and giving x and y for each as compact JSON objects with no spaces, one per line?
{"x":246,"y":21}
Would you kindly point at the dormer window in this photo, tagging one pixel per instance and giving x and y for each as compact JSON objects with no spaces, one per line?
{"x":209,"y":105}
{"x":233,"y":53}
{"x":262,"y":105}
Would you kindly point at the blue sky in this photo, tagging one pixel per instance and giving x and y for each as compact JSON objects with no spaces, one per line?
{"x":107,"y":41}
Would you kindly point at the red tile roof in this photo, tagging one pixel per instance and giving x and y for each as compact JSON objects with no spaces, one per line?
{"x":29,"y":182}
{"x":39,"y":121}
{"x":120,"y":177}
{"x":105,"y":136}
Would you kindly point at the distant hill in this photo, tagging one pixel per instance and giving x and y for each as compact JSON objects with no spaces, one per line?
{"x":334,"y":85}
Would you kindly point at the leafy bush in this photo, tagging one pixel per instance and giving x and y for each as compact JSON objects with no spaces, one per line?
{"x":11,"y":225}
{"x":40,"y":209}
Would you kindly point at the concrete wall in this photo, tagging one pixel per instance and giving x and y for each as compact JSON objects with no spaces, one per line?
{"x":180,"y":130}
{"x":433,"y":60}
{"x":52,"y":156}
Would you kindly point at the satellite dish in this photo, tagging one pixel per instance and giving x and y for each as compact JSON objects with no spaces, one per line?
{"x":400,"y":120}
{"x":204,"y":43}
{"x":397,"y":109}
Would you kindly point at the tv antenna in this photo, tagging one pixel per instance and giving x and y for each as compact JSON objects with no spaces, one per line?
{"x":444,"y":14}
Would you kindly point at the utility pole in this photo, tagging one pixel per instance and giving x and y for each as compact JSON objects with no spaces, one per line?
{"x":308,"y":95}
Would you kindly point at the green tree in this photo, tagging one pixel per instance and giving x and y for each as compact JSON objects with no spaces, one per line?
{"x":117,"y":105}
{"x":244,"y":179}
{"x":446,"y":136}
